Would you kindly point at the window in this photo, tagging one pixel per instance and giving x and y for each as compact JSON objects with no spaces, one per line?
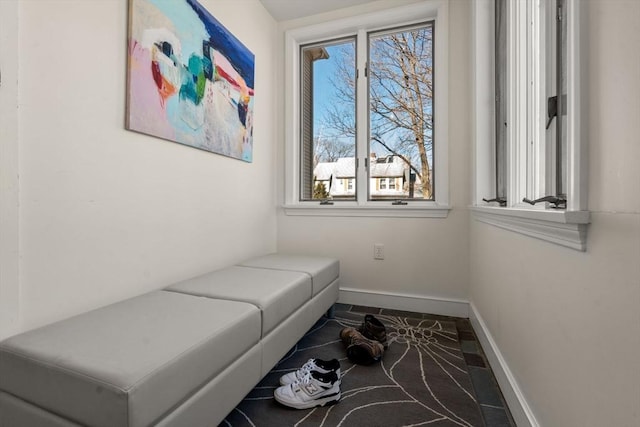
{"x":367,"y":113}
{"x":327,"y":114}
{"x":535,"y":183}
{"x":400,"y":81}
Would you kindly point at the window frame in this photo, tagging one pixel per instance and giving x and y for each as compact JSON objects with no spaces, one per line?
{"x":307,"y":117}
{"x":529,"y":165}
{"x":431,"y":10}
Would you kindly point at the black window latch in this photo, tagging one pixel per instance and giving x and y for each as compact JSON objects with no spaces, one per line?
{"x":554,"y":109}
{"x":557,"y":202}
{"x":500,"y":200}
{"x":326,"y":202}
{"x":399,"y":202}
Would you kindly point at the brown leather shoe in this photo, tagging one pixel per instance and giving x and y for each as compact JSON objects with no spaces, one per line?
{"x":373,"y":329}
{"x":360,"y":349}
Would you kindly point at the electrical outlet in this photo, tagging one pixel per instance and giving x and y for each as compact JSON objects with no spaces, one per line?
{"x":378,"y":251}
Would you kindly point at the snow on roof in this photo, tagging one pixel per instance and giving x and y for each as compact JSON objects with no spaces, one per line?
{"x":345,"y":167}
{"x":379,"y":170}
{"x":323,"y":171}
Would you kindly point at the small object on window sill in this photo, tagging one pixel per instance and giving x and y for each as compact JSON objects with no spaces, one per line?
{"x":326,"y":202}
{"x":557,"y":202}
{"x":501,"y":201}
{"x":399,"y":202}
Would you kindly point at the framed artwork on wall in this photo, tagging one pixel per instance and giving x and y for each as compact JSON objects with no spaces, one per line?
{"x":189,"y":79}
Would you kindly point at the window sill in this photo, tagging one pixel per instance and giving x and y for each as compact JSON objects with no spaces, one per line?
{"x":352,"y":210}
{"x":565,"y":228}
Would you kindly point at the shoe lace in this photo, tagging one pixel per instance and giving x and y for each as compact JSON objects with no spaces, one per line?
{"x":303,"y":379}
{"x":306,"y":368}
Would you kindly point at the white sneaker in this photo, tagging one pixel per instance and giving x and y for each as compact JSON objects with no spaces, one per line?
{"x":313,"y":389}
{"x":319,"y":365}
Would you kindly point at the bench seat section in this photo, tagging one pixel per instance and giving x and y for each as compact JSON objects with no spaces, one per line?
{"x":322,"y":270}
{"x":129,"y":363}
{"x":277,"y":294}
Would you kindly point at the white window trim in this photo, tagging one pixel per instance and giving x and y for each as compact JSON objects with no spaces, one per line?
{"x":436,"y":10}
{"x":566,"y":227}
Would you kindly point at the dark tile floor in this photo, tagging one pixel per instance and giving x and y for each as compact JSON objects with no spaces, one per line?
{"x":494,"y":409}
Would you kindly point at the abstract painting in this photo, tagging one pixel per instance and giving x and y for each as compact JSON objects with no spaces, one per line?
{"x":190,"y":80}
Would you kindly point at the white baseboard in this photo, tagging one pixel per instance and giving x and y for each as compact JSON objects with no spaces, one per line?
{"x":405,"y":302}
{"x":520,"y":410}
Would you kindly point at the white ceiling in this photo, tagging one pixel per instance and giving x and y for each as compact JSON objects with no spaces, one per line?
{"x":283,"y":10}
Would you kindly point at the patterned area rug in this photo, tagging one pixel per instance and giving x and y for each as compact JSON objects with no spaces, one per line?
{"x":421,"y":380}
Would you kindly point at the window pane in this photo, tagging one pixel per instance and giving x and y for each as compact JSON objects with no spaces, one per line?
{"x":328,"y":166}
{"x":401,"y":112}
{"x":501,"y":100}
{"x":561,"y":73}
{"x":556,"y":75}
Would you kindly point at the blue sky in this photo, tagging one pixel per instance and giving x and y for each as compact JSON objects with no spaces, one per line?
{"x":324,"y":91}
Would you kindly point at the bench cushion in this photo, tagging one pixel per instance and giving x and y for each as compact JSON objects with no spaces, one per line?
{"x":276,"y":293}
{"x":322,"y":270}
{"x":129,"y":363}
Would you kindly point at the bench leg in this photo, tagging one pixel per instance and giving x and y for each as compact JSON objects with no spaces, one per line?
{"x":331,"y":313}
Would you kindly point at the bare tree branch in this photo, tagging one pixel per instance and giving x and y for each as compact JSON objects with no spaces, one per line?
{"x":400,"y":73}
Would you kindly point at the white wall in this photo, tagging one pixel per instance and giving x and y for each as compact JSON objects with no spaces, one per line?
{"x":426,"y":259}
{"x":105,"y":213}
{"x":9,"y":219}
{"x":567,"y":323}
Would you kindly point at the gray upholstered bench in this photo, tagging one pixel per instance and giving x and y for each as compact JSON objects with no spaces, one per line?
{"x":129,"y":363}
{"x":182,"y":356}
